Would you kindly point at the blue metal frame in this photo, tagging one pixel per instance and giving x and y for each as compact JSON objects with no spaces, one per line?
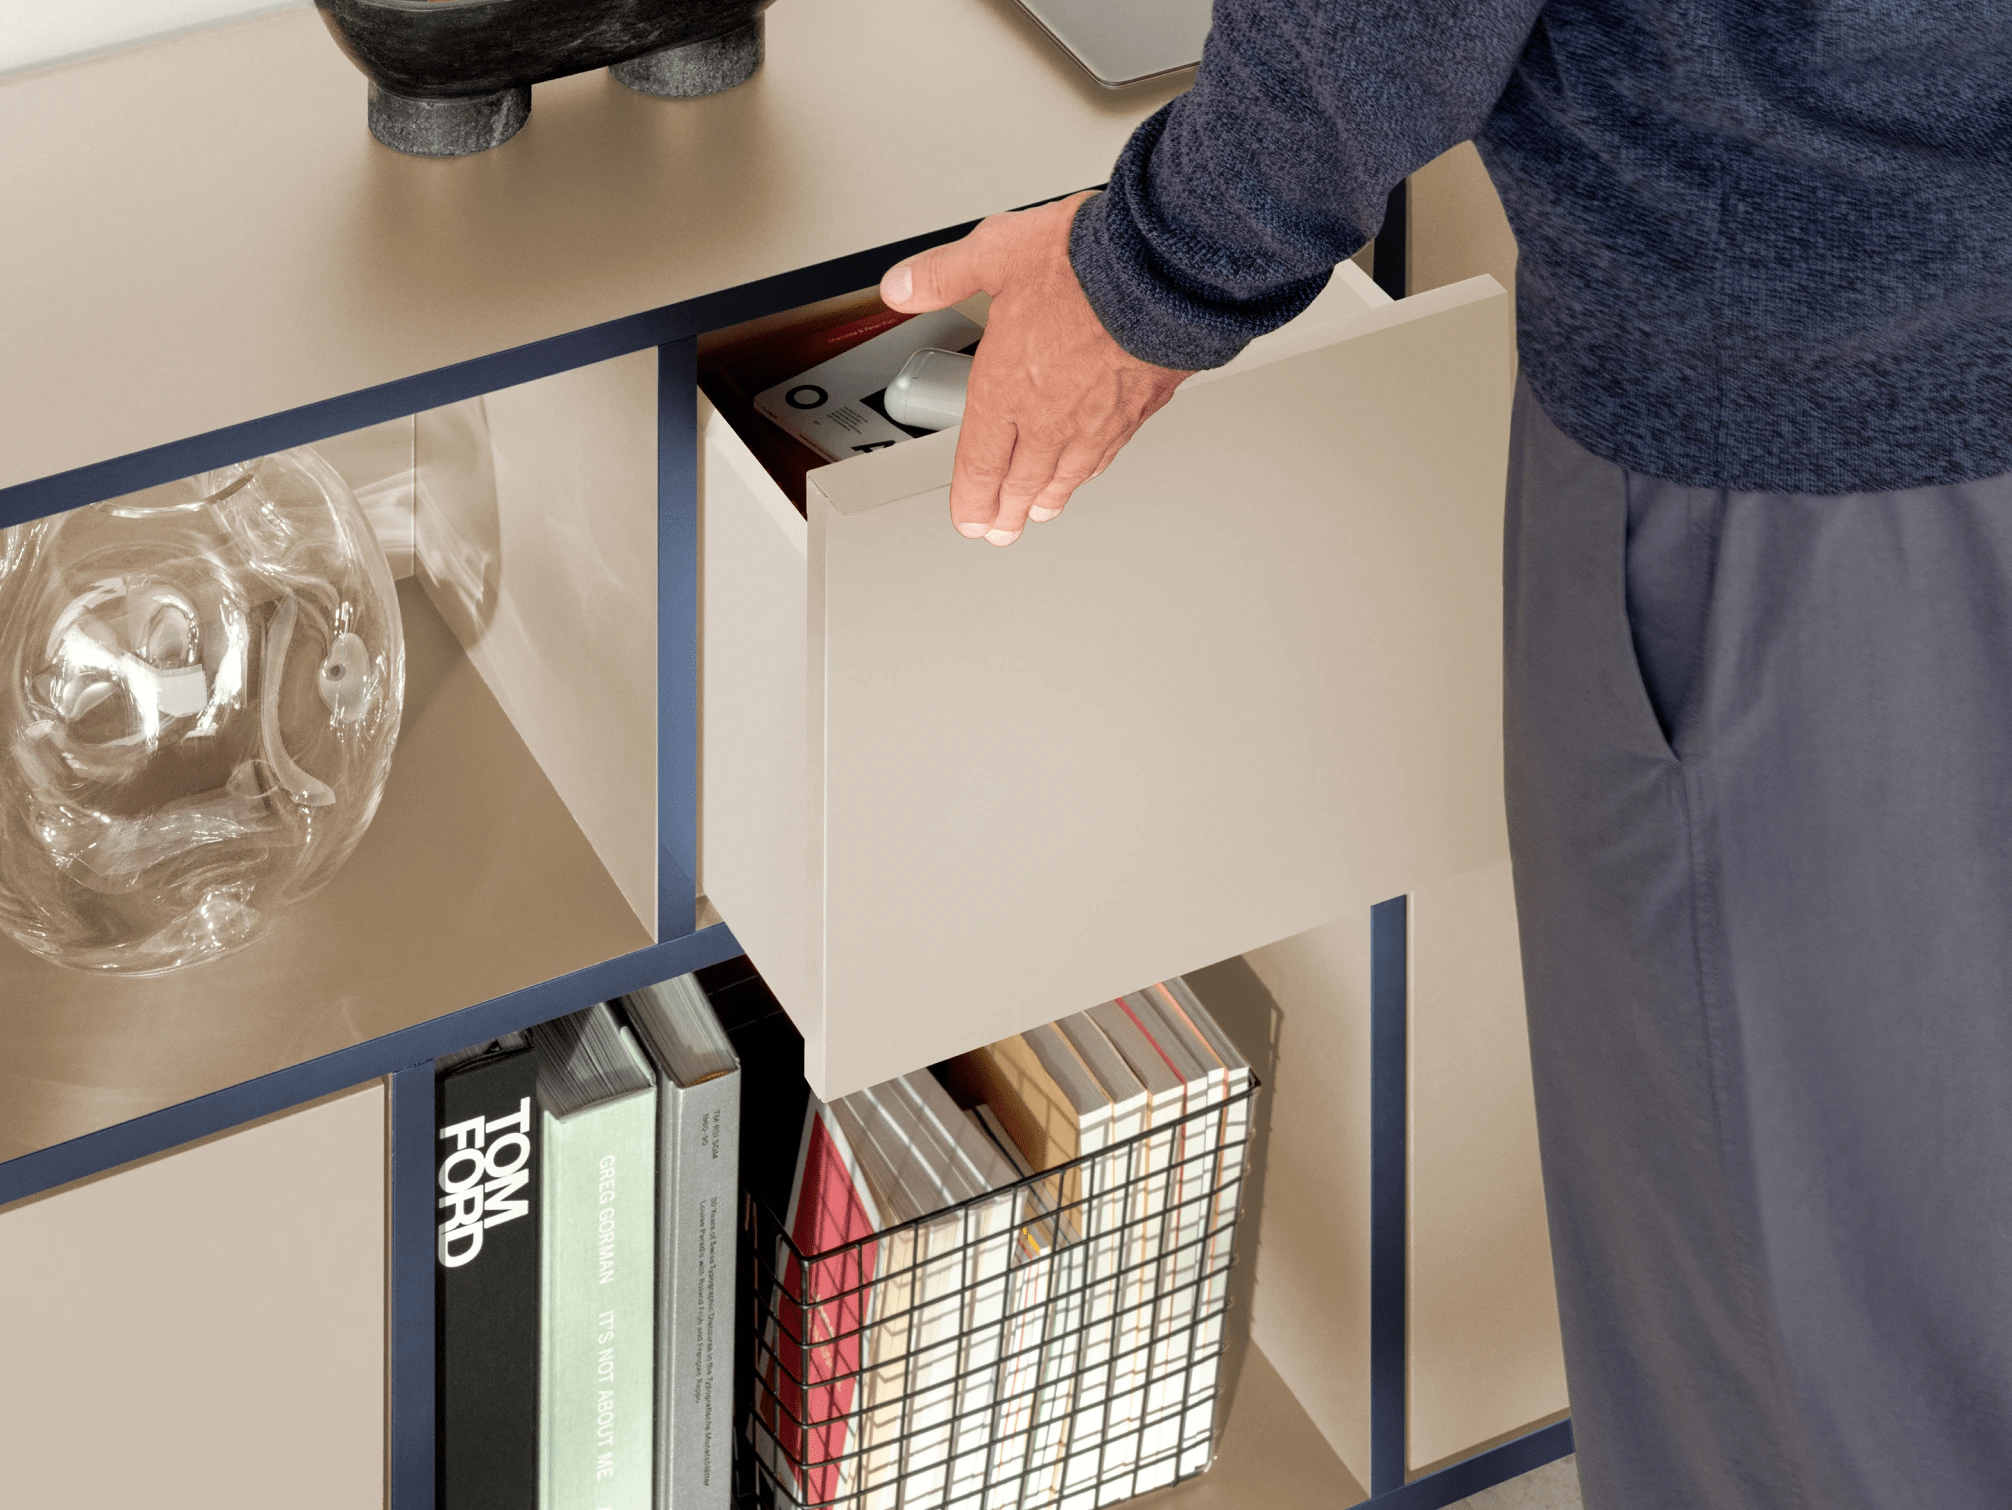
{"x":1389,"y":1246}
{"x":410,"y":1291}
{"x":677,"y":635}
{"x":1389,"y":1176}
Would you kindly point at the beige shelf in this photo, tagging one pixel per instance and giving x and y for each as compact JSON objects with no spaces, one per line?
{"x":473,"y":881}
{"x":211,"y":235}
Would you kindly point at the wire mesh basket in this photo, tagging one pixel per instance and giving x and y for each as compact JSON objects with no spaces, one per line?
{"x":1055,"y":1342}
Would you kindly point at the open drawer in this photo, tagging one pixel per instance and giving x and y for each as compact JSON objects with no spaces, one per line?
{"x":949,"y":792}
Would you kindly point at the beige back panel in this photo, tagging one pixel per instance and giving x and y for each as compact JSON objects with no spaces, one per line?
{"x":1485,"y":1354}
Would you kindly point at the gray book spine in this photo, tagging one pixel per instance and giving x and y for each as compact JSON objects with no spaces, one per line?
{"x":598,"y":1320}
{"x":698,"y":1224}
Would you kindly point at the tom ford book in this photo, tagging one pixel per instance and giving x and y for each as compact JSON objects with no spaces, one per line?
{"x":486,"y":1260}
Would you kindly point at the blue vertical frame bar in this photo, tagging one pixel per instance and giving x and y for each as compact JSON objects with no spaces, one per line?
{"x":677,"y":637}
{"x":410,"y":1349}
{"x":1389,"y":975}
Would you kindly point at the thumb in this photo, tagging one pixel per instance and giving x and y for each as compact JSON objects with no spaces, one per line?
{"x":934,"y":279}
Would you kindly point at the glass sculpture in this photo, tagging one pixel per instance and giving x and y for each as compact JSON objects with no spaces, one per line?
{"x":200,"y":690}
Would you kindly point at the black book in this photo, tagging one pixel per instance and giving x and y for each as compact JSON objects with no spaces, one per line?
{"x":486,"y":1277}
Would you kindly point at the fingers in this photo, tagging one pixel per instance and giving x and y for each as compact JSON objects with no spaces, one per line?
{"x":1077,"y":464}
{"x":937,"y":278}
{"x":1028,"y":476}
{"x":984,"y":455}
{"x":1009,"y":480}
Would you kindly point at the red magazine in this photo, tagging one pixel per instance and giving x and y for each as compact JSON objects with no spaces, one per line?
{"x":826,"y":1269}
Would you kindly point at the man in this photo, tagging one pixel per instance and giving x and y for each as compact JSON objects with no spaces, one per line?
{"x":1759,"y":651}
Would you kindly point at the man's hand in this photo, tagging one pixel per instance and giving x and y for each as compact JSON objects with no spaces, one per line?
{"x":1052,"y":396}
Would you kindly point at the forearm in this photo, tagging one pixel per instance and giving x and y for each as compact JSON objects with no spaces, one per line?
{"x":1229,"y":209}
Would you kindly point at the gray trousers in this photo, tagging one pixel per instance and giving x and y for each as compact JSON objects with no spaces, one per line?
{"x":1759,"y":754}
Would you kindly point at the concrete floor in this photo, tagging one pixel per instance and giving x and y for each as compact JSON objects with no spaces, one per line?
{"x":1555,"y":1486}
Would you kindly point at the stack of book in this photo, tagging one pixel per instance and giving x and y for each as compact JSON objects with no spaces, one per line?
{"x":1001,"y":1282}
{"x":588,"y":1193}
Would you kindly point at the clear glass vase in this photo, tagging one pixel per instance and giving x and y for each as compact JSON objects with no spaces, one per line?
{"x":200,"y":691}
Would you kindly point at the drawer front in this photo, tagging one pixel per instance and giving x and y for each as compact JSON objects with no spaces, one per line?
{"x":1255,"y":660}
{"x":213,"y":1320}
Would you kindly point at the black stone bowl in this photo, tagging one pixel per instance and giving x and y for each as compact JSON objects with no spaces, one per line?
{"x":448,"y":77}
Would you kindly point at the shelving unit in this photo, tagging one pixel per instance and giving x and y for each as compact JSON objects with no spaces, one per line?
{"x":226,"y":266}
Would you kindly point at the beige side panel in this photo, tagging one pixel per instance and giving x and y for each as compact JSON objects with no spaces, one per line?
{"x":1247,"y":681}
{"x":204,"y":1331}
{"x":537,"y":541}
{"x":1310,"y":1309}
{"x":1458,"y":229}
{"x":754,"y":854}
{"x":1485,"y":1354}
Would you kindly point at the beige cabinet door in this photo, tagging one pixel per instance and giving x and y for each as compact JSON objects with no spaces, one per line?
{"x":204,"y":1330}
{"x":949,"y":792}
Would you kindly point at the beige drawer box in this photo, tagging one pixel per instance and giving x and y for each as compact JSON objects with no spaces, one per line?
{"x":948,"y":791}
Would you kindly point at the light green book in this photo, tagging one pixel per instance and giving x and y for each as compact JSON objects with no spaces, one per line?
{"x":597,"y":1311}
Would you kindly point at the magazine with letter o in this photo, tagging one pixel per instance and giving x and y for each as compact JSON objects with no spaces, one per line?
{"x":835,"y":408}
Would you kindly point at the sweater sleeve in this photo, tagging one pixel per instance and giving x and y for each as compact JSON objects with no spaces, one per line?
{"x":1229,"y":208}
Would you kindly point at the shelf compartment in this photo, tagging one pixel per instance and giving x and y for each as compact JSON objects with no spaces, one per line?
{"x":518,"y":840}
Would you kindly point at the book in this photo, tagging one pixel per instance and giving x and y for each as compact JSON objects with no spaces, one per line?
{"x":1103,"y":1435}
{"x":926,"y":1430}
{"x":1179,"y":1001}
{"x":1158,"y":1189}
{"x":597,"y":1319}
{"x":1037,"y":1387}
{"x":822,"y":1309}
{"x":948,"y":1286}
{"x":486,"y":1278}
{"x":698,"y":1177}
{"x":1045,"y":1097}
{"x":1182,"y":1365}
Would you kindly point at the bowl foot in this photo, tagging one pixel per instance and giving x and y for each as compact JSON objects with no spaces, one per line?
{"x":447,"y":127}
{"x":697,"y":68}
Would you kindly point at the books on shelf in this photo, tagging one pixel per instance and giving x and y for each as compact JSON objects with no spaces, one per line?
{"x":589,"y":1215}
{"x":1000,"y":1284}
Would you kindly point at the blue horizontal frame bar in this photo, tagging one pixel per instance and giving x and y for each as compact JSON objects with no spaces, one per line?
{"x":219,"y":1111}
{"x":447,"y":385}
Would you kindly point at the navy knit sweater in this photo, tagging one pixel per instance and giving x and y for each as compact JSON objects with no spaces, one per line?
{"x":1765,"y":244}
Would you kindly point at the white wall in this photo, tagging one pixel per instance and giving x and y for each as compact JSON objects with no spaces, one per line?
{"x":35,"y":32}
